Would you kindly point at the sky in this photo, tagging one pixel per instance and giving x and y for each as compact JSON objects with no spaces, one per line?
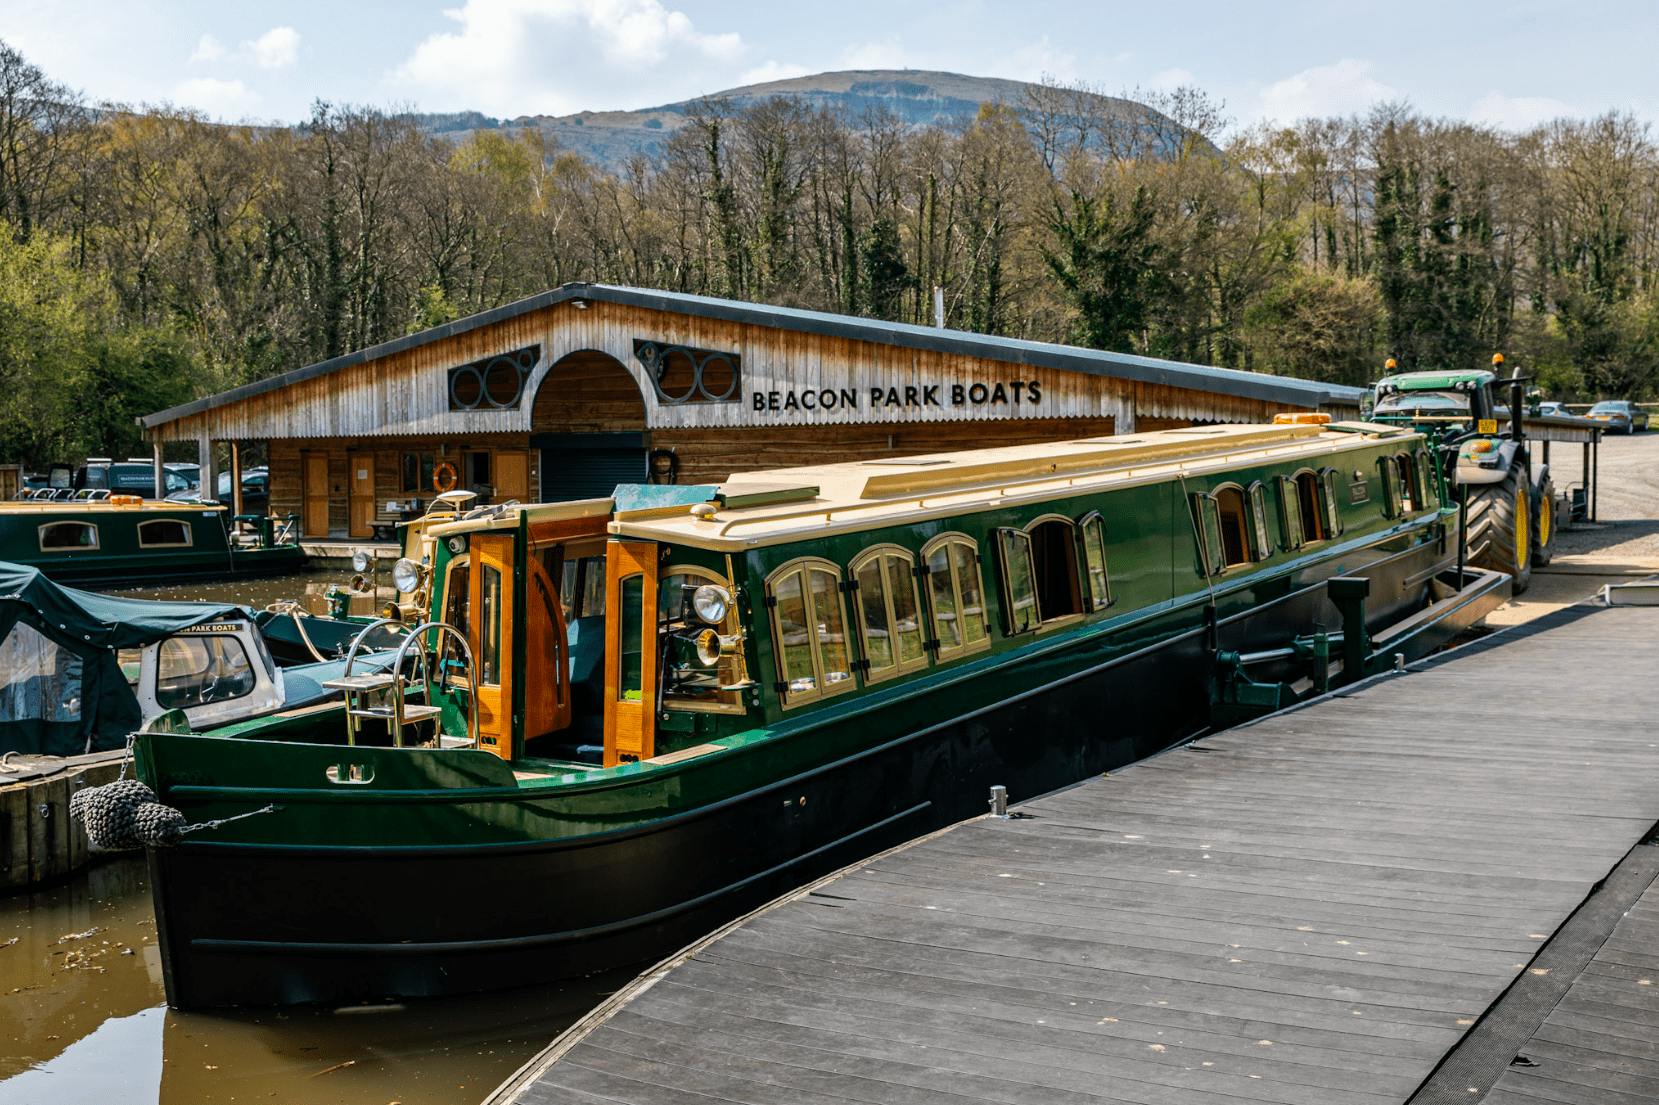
{"x":1510,"y":64}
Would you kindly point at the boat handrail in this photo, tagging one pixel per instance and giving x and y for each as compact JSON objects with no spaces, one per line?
{"x":466,"y":653}
{"x":357,"y":641}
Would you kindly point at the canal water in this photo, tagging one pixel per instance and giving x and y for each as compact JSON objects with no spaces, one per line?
{"x":83,"y":1018}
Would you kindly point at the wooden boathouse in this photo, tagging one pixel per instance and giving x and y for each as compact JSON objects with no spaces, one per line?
{"x":568,"y":393}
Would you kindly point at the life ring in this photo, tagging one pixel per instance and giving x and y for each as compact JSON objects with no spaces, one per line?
{"x":443,"y":477}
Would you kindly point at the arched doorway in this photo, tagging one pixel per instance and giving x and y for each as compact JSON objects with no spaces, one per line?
{"x":588,"y":426}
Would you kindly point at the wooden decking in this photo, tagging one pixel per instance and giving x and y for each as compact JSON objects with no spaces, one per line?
{"x":1313,"y":910}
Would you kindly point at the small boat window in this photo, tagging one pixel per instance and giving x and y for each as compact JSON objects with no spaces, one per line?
{"x":165,"y":533}
{"x":809,"y":630}
{"x":68,"y":536}
{"x":688,"y":685}
{"x":1019,"y":588}
{"x":489,"y":614}
{"x":582,"y":587}
{"x":1261,"y":542}
{"x":1234,"y":518}
{"x":1290,"y":512}
{"x":630,"y":686}
{"x":1206,"y":525}
{"x":201,"y":670}
{"x":889,"y":612}
{"x":1310,"y":504}
{"x":1332,"y":505}
{"x":955,"y":595}
{"x":457,"y":611}
{"x":1093,"y":531}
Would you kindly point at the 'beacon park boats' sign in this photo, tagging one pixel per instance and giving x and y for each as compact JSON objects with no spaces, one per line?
{"x":1013,"y":393}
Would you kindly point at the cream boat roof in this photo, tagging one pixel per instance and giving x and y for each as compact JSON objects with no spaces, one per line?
{"x":857,"y":495}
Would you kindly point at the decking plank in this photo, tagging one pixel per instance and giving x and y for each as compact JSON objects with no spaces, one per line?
{"x":1312,"y":909}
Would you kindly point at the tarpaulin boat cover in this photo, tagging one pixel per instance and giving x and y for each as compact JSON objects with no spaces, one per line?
{"x":62,"y":692}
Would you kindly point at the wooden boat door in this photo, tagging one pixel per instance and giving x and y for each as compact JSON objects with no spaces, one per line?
{"x":490,"y":636}
{"x":630,"y":651}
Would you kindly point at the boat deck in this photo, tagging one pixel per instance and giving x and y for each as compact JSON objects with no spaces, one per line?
{"x":1316,"y":909}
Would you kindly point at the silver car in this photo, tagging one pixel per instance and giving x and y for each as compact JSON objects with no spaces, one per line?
{"x":1620,"y":414}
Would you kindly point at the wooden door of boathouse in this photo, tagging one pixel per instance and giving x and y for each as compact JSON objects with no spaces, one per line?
{"x":360,"y":497}
{"x":315,"y":495}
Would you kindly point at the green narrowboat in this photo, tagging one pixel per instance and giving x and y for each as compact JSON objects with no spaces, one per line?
{"x":634,"y":717}
{"x":122,"y":539}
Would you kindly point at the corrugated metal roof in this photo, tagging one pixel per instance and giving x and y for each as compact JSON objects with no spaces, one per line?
{"x":1150,"y":370}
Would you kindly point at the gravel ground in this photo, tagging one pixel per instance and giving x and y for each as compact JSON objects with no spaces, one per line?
{"x":1627,"y":532}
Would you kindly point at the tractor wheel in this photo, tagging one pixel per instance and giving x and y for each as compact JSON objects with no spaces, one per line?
{"x":1543,"y":529}
{"x":1500,"y":528}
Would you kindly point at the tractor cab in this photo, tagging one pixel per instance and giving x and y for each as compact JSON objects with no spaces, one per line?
{"x":1459,"y":411}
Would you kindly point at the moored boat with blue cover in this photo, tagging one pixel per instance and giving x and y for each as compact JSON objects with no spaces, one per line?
{"x":623,"y":720}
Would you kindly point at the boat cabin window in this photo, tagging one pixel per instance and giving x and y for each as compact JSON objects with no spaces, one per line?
{"x":630,"y":685}
{"x":457,"y":611}
{"x":1234,"y":516}
{"x":489,"y":621}
{"x":165,"y":533}
{"x":1331,"y":504}
{"x":956,"y":598}
{"x":1426,"y":494}
{"x":1093,"y":531}
{"x":688,"y":682}
{"x":68,"y":536}
{"x":1310,"y":505}
{"x":1019,"y":585}
{"x":1406,"y":473}
{"x":809,"y":630}
{"x":39,"y":678}
{"x":889,"y":612}
{"x":1054,"y":564}
{"x":1293,"y":521}
{"x":582,"y":586}
{"x":199,"y":670}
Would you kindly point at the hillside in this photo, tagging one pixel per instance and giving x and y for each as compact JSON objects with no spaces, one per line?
{"x":919,"y":97}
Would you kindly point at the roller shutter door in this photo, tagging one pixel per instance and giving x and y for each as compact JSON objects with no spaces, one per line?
{"x":588,"y":466}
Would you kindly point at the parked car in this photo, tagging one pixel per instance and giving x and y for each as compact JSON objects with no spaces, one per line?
{"x":1552,"y":407}
{"x":133,"y":477}
{"x":256,"y":491}
{"x":1620,"y":414}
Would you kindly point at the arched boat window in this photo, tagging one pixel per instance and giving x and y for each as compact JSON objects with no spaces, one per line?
{"x":888,"y":612}
{"x":1055,"y":567}
{"x":1292,"y":536}
{"x":1092,"y":531}
{"x":699,"y":690}
{"x":1310,"y":499}
{"x":1332,"y":505}
{"x":1233,"y":512}
{"x":1261,"y":542}
{"x":165,"y":533}
{"x":956,"y":596}
{"x":1426,"y":494}
{"x":809,"y":631}
{"x":68,"y":537}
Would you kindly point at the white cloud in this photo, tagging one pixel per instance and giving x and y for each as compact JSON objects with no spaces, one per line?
{"x":277,"y":48}
{"x":1517,"y":112}
{"x":221,"y":99}
{"x":1031,"y":62}
{"x":1337,"y":89}
{"x":208,"y":48}
{"x":515,"y":57}
{"x":773,"y":71}
{"x":1166,"y":80}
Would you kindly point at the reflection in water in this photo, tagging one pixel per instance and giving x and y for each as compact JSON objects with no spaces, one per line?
{"x":307,"y":588}
{"x":82,"y":1019}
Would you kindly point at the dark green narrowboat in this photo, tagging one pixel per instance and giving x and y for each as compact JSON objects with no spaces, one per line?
{"x":645,"y":714}
{"x":123,"y":539}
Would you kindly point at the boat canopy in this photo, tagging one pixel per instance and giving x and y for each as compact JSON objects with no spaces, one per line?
{"x":62,"y":691}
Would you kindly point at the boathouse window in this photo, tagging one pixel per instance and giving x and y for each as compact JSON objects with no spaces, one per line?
{"x":809,"y":630}
{"x":68,"y":536}
{"x":164,"y":533}
{"x":1332,"y":505}
{"x":1092,"y":529}
{"x":691,"y":687}
{"x":1290,"y":513}
{"x":955,"y":595}
{"x":417,"y":473}
{"x":200,"y":670}
{"x":888,"y":611}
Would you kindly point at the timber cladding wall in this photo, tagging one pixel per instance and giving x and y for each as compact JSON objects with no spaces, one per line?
{"x":788,"y":378}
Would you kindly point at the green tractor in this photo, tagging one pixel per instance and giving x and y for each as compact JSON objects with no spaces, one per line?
{"x":1509,"y":522}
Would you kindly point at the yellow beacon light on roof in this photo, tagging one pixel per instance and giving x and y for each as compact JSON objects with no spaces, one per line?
{"x":1301,"y":418}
